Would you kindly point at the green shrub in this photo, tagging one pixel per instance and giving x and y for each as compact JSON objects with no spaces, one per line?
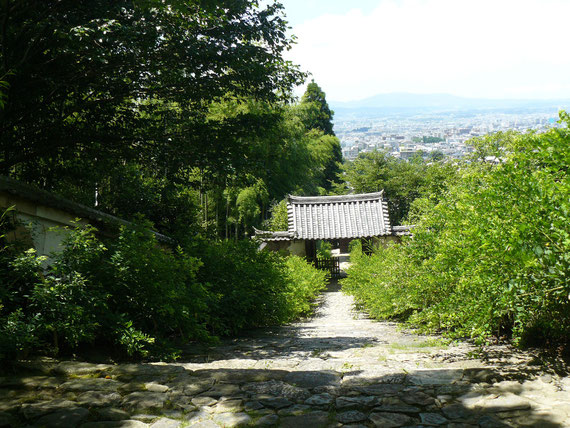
{"x":152,"y":287}
{"x":379,"y":282}
{"x":19,"y":271}
{"x":125,"y":295}
{"x":324,"y":249}
{"x":304,"y":282}
{"x":63,"y":309}
{"x":134,"y":341}
{"x":492,"y":256}
{"x":139,"y":298}
{"x":246,"y":286}
{"x":250,"y":288}
{"x":18,"y":336}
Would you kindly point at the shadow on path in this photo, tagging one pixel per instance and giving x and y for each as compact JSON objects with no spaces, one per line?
{"x":337,"y":368}
{"x":333,"y":286}
{"x":89,"y":395}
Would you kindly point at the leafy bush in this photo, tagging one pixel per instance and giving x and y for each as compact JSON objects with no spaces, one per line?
{"x":17,"y":336}
{"x":63,"y":308}
{"x":378,"y":282}
{"x":138,"y":297}
{"x":304,"y":282}
{"x":324,"y":249}
{"x":123,"y":295}
{"x":133,"y":340}
{"x":249,"y":288}
{"x":19,"y":270}
{"x":246,"y":287}
{"x":493,"y":256}
{"x":153,"y":287}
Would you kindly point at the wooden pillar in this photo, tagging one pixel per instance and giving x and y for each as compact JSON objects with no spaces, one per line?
{"x":311,"y":249}
{"x":344,"y":245}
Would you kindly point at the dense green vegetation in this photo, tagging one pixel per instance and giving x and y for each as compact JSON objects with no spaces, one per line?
{"x":402,"y":181}
{"x":492,"y":256}
{"x":139,"y":299}
{"x":179,"y":116}
{"x":177,"y":112}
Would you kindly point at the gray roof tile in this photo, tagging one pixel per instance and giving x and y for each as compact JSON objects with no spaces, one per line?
{"x":335,"y":217}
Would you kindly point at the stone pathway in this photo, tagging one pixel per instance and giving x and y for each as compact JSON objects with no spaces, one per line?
{"x":337,"y":369}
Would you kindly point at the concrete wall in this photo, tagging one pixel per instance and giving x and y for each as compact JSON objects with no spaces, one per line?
{"x":41,"y":217}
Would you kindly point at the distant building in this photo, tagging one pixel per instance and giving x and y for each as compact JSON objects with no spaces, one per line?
{"x":407,"y":152}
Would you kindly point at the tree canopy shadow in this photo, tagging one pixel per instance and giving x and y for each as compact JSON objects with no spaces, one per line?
{"x":421,"y":397}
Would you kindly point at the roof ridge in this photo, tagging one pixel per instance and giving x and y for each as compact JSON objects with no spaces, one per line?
{"x":335,"y":198}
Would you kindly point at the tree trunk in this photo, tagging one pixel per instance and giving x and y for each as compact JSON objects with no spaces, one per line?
{"x":227,"y":216}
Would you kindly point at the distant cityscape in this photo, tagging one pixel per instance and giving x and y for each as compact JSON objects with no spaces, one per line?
{"x":406,"y":132}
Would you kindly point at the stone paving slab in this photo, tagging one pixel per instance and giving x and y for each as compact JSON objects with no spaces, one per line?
{"x":336,"y":369}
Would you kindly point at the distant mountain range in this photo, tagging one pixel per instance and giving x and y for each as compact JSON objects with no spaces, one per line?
{"x":400,"y":101}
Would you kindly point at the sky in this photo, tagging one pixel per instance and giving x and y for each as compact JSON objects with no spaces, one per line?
{"x":474,"y":48}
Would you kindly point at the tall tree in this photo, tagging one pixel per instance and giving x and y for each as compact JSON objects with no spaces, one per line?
{"x":316,"y":115}
{"x":97,"y":84}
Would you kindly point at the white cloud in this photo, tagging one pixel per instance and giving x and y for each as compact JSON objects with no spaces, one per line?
{"x":484,"y":48}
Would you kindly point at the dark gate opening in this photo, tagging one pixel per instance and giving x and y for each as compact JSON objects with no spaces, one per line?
{"x":331,"y":264}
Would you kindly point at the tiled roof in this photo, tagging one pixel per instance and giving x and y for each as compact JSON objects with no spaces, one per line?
{"x":267,"y":235}
{"x":335,"y":217}
{"x":402,"y":230}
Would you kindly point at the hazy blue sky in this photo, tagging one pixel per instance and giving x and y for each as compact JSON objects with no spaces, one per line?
{"x":476,"y":48}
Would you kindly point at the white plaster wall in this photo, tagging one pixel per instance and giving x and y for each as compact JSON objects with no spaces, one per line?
{"x":42,"y":224}
{"x":297,"y":248}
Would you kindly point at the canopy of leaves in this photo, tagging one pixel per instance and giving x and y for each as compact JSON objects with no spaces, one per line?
{"x":402,"y":181}
{"x":287,"y":158}
{"x":153,"y":107}
{"x":316,"y":115}
{"x":93,"y":85}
